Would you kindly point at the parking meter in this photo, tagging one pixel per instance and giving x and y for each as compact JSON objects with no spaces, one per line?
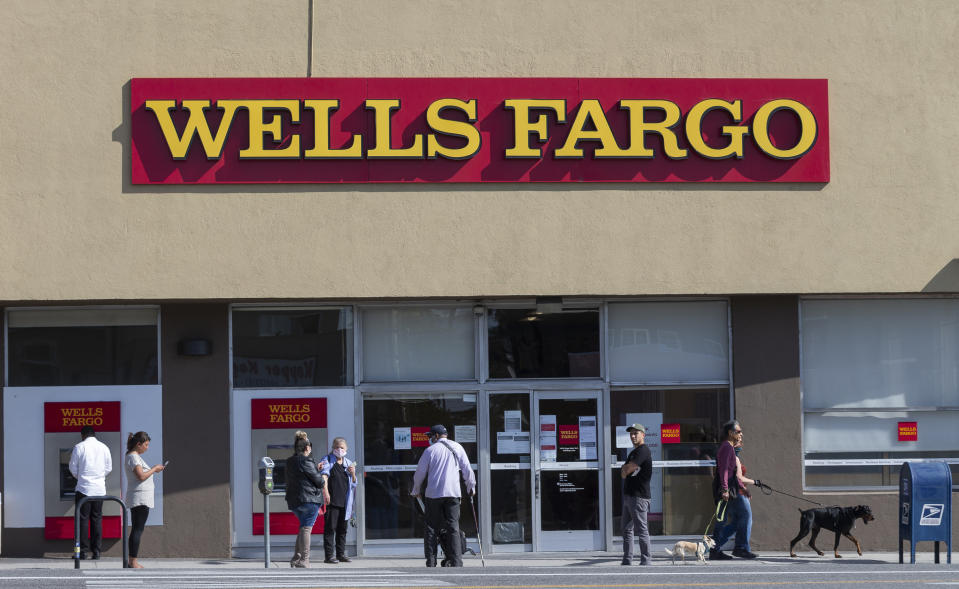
{"x":266,"y":487}
{"x":266,"y":475}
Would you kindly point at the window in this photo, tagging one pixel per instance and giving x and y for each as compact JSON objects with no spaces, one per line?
{"x":681,"y":493}
{"x":395,"y":432}
{"x":526,"y":343}
{"x":82,"y":347}
{"x":418,"y":343}
{"x":868,"y":367}
{"x":664,"y":342}
{"x":292,"y":347}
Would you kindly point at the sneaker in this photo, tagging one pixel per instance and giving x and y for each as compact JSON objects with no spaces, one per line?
{"x":331,"y":561}
{"x":743,"y":553}
{"x":719,"y":555}
{"x":343,"y":558}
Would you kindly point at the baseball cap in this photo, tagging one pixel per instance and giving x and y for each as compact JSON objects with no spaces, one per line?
{"x":438,"y":429}
{"x":636,"y":427}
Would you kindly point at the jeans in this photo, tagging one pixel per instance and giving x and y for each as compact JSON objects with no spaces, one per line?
{"x":92,"y":511}
{"x":739,"y":521}
{"x":443,"y":518}
{"x":635,"y":511}
{"x":306,"y":513}
{"x":138,"y":517}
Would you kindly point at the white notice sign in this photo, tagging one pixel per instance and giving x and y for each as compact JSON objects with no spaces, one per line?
{"x":464,"y":434}
{"x":512,"y":421}
{"x":587,"y":437}
{"x":402,"y":438}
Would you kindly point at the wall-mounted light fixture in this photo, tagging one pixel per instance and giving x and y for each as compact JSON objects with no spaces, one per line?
{"x":194,"y":347}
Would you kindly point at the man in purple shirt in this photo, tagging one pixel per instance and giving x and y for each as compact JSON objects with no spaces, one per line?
{"x":440,"y":467}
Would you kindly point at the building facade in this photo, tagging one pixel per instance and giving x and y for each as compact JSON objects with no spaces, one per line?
{"x":533,"y":308}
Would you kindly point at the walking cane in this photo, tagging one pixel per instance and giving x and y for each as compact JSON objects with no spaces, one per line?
{"x":478,"y":539}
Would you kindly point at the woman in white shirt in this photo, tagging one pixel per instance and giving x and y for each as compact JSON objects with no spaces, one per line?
{"x":139,"y":497}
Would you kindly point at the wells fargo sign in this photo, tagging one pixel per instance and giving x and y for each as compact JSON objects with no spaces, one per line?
{"x":102,"y":416}
{"x":288,"y":413}
{"x":356,"y":130}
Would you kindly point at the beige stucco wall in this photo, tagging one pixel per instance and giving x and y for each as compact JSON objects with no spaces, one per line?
{"x":74,"y":228}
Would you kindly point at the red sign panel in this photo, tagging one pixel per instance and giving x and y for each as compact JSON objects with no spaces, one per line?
{"x":420,"y":437}
{"x":288,"y":413}
{"x":908,"y":431}
{"x":669,"y":433}
{"x":102,"y":416}
{"x":360,"y":130}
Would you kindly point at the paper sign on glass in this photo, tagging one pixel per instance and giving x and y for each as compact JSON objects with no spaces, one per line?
{"x":402,"y":438}
{"x":464,"y":434}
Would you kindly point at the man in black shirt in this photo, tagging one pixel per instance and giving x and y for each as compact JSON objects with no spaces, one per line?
{"x":636,"y":473}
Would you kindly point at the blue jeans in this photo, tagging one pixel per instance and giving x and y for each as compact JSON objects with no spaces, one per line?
{"x":306,"y":513}
{"x":739,"y":521}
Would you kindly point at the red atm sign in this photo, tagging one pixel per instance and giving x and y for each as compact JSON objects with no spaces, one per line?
{"x":438,"y":130}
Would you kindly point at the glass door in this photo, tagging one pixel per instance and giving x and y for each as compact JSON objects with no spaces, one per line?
{"x":511,"y":481}
{"x":566,"y":475}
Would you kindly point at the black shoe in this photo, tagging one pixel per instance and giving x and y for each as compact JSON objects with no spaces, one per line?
{"x":743,"y":553}
{"x":431,"y":563}
{"x":446,"y":563}
{"x":719,"y":555}
{"x":343,"y":558}
{"x":626,"y":563}
{"x":331,"y":561}
{"x":83,"y":556}
{"x":96,"y":556}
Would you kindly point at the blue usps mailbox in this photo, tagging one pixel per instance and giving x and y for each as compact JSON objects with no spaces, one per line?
{"x":925,"y":506}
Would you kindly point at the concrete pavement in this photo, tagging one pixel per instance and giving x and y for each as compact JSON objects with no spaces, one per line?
{"x":521,"y":560}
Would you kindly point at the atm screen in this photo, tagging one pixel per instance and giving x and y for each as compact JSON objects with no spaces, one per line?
{"x":279,"y":453}
{"x":68,"y":483}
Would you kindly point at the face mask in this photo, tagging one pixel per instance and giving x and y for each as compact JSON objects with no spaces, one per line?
{"x":738,"y":451}
{"x":339,"y":452}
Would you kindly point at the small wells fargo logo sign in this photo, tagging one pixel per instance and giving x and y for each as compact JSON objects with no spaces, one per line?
{"x":669,"y":433}
{"x":908,"y":431}
{"x":315,"y":130}
{"x":70,"y":417}
{"x":288,"y":413}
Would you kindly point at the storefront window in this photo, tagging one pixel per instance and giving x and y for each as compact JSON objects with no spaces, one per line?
{"x":524,"y":343}
{"x":880,"y":385}
{"x":684,"y":426}
{"x":418,"y":343}
{"x":292,"y":348}
{"x":653,"y":342}
{"x":82,"y":347}
{"x":394,"y":437}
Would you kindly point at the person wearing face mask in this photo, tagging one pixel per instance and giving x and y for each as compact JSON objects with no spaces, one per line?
{"x":440,"y":467}
{"x":339,"y":474}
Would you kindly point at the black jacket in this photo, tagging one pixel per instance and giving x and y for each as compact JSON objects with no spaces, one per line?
{"x":303,"y":481}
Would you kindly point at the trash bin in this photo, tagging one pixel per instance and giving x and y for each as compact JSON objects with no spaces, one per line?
{"x":925,"y":506}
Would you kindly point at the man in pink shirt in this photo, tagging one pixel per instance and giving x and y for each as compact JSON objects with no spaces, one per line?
{"x":440,"y":467}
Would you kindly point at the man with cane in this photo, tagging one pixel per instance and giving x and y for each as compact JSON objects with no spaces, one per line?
{"x":439,"y":468}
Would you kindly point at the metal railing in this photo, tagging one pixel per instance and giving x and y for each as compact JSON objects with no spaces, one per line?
{"x":76,"y":528}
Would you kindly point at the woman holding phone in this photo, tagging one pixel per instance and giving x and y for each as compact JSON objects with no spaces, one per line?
{"x":139,"y":497}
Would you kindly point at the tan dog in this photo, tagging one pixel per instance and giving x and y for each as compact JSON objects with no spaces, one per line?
{"x":698,"y":548}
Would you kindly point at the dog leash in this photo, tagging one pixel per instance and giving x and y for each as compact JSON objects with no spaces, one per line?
{"x":718,"y":516}
{"x":767,"y":490}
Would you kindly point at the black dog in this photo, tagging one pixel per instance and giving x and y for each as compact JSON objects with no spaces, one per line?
{"x":837,"y":519}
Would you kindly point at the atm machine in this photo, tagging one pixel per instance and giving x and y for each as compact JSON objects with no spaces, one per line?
{"x":61,"y":432}
{"x":273,"y":428}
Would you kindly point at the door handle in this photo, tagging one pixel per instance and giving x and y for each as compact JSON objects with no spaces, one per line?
{"x":537,"y":485}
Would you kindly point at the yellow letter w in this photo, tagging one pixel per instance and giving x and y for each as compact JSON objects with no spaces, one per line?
{"x":196,"y":125}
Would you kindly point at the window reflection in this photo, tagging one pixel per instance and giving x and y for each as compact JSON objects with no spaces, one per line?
{"x":526,"y":344}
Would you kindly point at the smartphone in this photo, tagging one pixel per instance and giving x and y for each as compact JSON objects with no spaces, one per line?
{"x":165,"y":463}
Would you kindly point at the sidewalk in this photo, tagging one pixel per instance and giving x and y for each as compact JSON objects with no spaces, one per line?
{"x":521,"y":560}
